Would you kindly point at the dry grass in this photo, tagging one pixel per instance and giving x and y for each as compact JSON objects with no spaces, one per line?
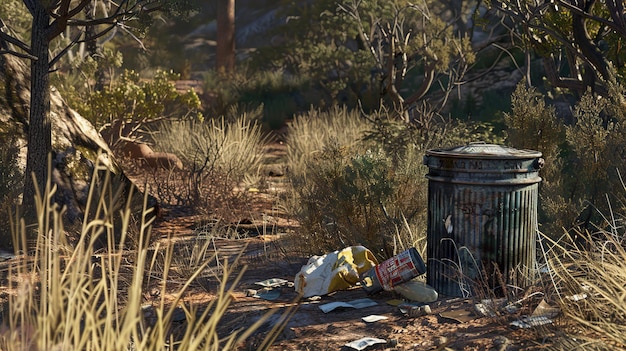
{"x":588,"y":273}
{"x":310,"y":133}
{"x":70,"y":297}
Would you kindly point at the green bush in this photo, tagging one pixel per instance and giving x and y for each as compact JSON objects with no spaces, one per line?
{"x":359,"y":179}
{"x":132,"y":99}
{"x":583,"y":161}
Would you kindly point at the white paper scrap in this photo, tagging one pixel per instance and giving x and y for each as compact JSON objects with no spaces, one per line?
{"x":272,"y":283}
{"x":360,"y":303}
{"x":364,"y":343}
{"x":373,"y":318}
{"x":530,"y":322}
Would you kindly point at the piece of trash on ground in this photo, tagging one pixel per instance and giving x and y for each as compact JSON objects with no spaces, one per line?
{"x":358,"y":304}
{"x":268,"y":294}
{"x":529,"y":322}
{"x":338,"y":270}
{"x":493,"y":307}
{"x":460,"y":316}
{"x":364,"y":343}
{"x":577,"y":297}
{"x":415,"y":311}
{"x":373,"y":318}
{"x":393,"y":271}
{"x":272,"y":283}
{"x":395,"y":302}
{"x":544,"y":309}
{"x":416,"y":290}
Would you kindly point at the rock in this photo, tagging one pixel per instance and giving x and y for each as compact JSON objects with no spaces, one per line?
{"x":144,"y":153}
{"x":77,"y":146}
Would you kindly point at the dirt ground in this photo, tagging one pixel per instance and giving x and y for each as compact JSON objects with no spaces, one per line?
{"x":452,"y":324}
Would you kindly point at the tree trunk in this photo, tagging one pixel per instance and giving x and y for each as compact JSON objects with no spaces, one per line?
{"x":93,"y":48}
{"x":225,"y":56}
{"x":39,"y":129}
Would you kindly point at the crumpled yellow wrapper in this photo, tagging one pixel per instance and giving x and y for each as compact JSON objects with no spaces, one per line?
{"x":337,"y":270}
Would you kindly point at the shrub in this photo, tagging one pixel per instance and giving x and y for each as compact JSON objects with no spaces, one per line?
{"x":359,"y":179}
{"x":583,"y":159}
{"x":222,"y":160}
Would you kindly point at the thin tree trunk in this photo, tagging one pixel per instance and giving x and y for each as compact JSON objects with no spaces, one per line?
{"x":39,"y":128}
{"x":225,"y":56}
{"x":93,"y":49}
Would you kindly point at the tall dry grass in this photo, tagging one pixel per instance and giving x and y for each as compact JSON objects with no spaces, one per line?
{"x":310,"y":133}
{"x":67,"y":296}
{"x":231,"y":148}
{"x":588,"y":271}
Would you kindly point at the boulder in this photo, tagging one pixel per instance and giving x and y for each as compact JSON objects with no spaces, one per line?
{"x":77,"y":146}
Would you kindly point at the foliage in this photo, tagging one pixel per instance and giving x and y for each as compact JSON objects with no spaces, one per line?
{"x":133,"y":100}
{"x":534,"y":125}
{"x":222,"y":160}
{"x":15,"y":15}
{"x":362,"y":51}
{"x":597,"y":141}
{"x":583,"y":160}
{"x":351,"y":198}
{"x":581,"y":44}
{"x":366,"y":187}
{"x":309,"y":133}
{"x":280,"y":95}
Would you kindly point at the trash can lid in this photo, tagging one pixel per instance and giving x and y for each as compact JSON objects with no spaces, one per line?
{"x":485,"y":151}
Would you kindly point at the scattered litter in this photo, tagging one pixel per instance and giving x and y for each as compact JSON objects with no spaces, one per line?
{"x":577,"y":297}
{"x":272,"y":283}
{"x":337,"y":270}
{"x":416,"y":290}
{"x":394,"y":271}
{"x":460,"y":316}
{"x":268,"y":294}
{"x":529,"y":322}
{"x":395,"y":302}
{"x":545,"y":310}
{"x":373,"y":318}
{"x":358,"y":304}
{"x":492,"y":307}
{"x":364,"y":343}
{"x":415,"y":311}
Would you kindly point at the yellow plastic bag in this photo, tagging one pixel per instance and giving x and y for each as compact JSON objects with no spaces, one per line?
{"x":337,"y":270}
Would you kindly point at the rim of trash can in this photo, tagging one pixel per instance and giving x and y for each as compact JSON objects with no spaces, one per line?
{"x":485,"y":151}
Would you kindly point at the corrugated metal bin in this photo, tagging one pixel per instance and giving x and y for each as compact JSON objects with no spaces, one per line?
{"x":482,"y":215}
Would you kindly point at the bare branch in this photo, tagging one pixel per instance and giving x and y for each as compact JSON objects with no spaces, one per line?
{"x":15,"y":41}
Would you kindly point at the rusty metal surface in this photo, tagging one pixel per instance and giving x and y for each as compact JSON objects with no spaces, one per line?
{"x":482,"y":217}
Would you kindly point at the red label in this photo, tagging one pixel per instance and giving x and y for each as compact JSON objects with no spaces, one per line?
{"x":396,"y":270}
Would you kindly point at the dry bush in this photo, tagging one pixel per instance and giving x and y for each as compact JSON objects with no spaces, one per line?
{"x":359,"y":179}
{"x":221,"y":161}
{"x":69,"y":297}
{"x":310,"y":133}
{"x":346,"y":191}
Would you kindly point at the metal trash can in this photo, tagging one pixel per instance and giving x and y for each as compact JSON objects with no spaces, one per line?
{"x":482,"y":217}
